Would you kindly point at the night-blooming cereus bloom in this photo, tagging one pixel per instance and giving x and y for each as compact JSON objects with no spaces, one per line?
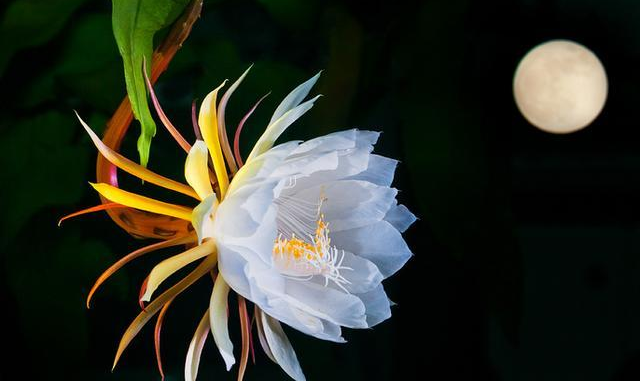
{"x":306,"y":231}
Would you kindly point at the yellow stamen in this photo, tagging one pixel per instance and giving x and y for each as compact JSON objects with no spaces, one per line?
{"x":297,"y":249}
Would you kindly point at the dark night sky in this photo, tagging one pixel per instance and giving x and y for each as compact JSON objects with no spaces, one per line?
{"x":527,"y":251}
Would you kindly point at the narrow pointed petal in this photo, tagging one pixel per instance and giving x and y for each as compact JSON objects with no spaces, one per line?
{"x":218,"y":312}
{"x":281,"y":348}
{"x":143,"y":318}
{"x":97,"y":208}
{"x":251,"y":340}
{"x":202,"y":216}
{"x":236,"y":138}
{"x":166,"y":268}
{"x":222,"y":128}
{"x":133,"y":255}
{"x":208,"y":122}
{"x":257,"y":314}
{"x":245,"y":328}
{"x":194,"y":121}
{"x":294,"y":98}
{"x":195,"y":349}
{"x":156,"y":336}
{"x":276,"y":129}
{"x":182,"y":142}
{"x":133,"y":200}
{"x":143,"y":289}
{"x":135,"y":169}
{"x":196,"y":169}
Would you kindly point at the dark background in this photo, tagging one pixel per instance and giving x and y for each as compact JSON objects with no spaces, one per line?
{"x":527,"y":251}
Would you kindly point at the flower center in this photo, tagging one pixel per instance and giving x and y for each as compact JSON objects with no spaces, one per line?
{"x":300,"y":257}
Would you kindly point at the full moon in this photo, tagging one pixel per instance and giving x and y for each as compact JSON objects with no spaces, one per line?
{"x":560,"y":86}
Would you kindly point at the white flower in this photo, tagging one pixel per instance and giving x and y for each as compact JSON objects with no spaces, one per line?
{"x":307,"y":231}
{"x":311,"y":234}
{"x":311,"y":237}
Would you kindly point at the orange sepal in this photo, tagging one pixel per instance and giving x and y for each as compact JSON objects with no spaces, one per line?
{"x":131,"y":256}
{"x":93,"y":209}
{"x":207,"y":264}
{"x":246,"y":342}
{"x":156,"y":336}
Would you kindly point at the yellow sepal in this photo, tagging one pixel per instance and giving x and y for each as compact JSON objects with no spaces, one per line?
{"x":147,"y":204}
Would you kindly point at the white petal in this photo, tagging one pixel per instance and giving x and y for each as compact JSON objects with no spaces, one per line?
{"x":232,"y":267}
{"x":218,"y":308}
{"x":239,"y":229}
{"x":352,"y":148}
{"x":293,"y":316}
{"x":311,"y":325}
{"x":363,"y":276}
{"x":330,"y":332}
{"x":260,"y":168}
{"x":318,"y":169}
{"x":281,"y":347}
{"x":272,"y":160}
{"x":234,"y":217}
{"x":380,"y":243}
{"x":263,"y":286}
{"x":350,"y":203}
{"x":341,"y":140}
{"x":400,"y":217}
{"x":261,"y":335}
{"x":257,"y":201}
{"x":276,"y":128}
{"x":241,"y":214}
{"x":331,"y":142}
{"x":196,"y":345}
{"x":307,"y":164}
{"x":318,"y":301}
{"x":248,"y":275}
{"x":326,"y":303}
{"x":202,"y":217}
{"x":294,"y":98}
{"x":380,"y":171}
{"x":196,"y":169}
{"x":305,"y":322}
{"x":367,"y":138}
{"x":377,"y":304}
{"x":245,"y":242}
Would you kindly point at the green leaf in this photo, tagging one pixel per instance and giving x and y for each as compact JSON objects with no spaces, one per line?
{"x":135,"y":22}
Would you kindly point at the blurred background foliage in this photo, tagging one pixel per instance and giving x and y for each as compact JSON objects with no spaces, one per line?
{"x":527,"y":252}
